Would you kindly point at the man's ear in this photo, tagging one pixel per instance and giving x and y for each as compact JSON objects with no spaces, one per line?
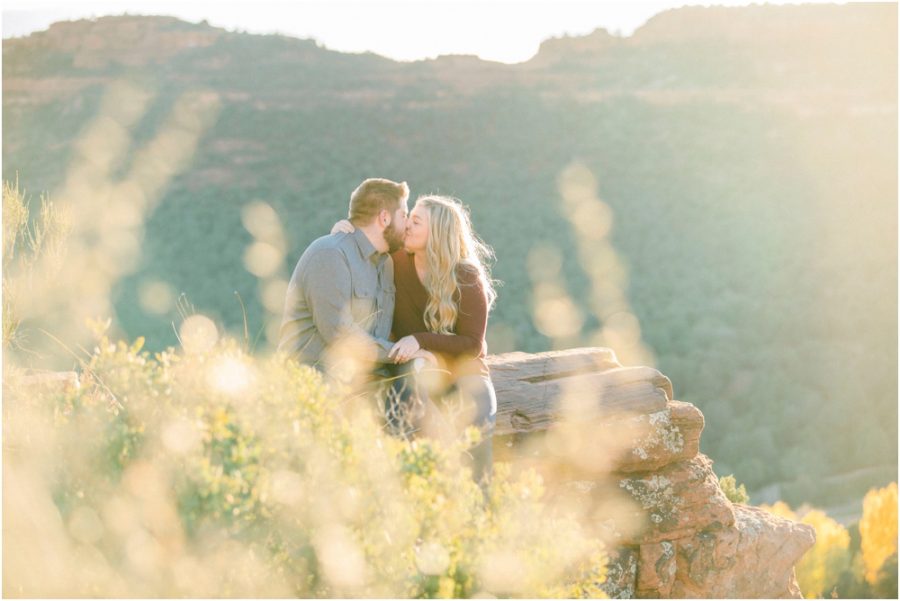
{"x":385,"y":217}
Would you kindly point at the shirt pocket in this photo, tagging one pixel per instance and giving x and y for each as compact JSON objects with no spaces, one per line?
{"x":362,"y":305}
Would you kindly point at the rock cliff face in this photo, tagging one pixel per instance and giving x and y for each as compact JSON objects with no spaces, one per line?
{"x":613,"y":441}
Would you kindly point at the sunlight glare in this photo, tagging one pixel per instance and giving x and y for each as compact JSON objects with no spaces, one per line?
{"x":198,"y":334}
{"x":230,"y":376}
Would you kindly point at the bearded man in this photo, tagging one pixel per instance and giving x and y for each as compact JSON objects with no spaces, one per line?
{"x":343,"y":285}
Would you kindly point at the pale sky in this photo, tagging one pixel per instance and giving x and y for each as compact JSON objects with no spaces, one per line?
{"x":501,"y":30}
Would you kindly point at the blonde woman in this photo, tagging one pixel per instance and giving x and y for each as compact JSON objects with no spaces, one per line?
{"x":443,"y":295}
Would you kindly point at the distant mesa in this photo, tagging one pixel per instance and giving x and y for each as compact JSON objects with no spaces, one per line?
{"x":595,"y":42}
{"x":715,"y":40}
{"x":128,"y":40}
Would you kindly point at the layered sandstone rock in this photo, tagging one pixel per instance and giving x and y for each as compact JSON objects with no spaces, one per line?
{"x":612,"y":441}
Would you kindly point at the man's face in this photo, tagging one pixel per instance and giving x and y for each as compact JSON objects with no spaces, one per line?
{"x":395,"y":233}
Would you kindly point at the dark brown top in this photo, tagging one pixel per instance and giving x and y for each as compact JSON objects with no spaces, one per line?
{"x":462,"y":351}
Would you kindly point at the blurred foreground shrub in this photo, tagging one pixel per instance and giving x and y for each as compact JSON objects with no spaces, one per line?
{"x":33,"y":249}
{"x":216,"y":474}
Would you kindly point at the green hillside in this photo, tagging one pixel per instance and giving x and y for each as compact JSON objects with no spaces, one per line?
{"x":748,"y":156}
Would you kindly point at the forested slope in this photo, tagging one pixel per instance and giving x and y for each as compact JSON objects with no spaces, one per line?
{"x":747,"y":157}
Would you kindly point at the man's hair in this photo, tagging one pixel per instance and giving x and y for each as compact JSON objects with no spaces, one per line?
{"x":373,"y":196}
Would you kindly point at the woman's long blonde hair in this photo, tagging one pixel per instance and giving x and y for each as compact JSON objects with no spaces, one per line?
{"x":451,"y":243}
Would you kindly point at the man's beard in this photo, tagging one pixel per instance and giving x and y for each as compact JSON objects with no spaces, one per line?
{"x":394,"y":238}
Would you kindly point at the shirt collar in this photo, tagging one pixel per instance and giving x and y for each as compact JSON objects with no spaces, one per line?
{"x":366,"y":249}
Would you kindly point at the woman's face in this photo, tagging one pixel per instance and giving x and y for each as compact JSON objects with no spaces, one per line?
{"x":417,"y":229}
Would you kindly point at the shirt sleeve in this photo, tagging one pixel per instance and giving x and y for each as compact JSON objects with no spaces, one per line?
{"x":328,"y":291}
{"x":471,"y":323}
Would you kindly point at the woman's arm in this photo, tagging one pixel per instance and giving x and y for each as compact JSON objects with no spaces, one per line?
{"x":471,"y":323}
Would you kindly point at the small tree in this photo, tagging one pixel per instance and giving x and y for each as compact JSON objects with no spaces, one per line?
{"x":878,"y":529}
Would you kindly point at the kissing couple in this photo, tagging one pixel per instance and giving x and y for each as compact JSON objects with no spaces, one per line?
{"x":402,"y":289}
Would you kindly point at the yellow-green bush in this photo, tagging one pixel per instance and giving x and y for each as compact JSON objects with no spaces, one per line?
{"x":819,"y":570}
{"x":736,"y":493}
{"x":878,"y":529}
{"x":216,"y":474}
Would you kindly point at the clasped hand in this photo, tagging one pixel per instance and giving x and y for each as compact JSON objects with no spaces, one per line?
{"x":407,"y":348}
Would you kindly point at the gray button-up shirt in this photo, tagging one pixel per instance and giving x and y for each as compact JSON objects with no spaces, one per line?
{"x":341,"y":286}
